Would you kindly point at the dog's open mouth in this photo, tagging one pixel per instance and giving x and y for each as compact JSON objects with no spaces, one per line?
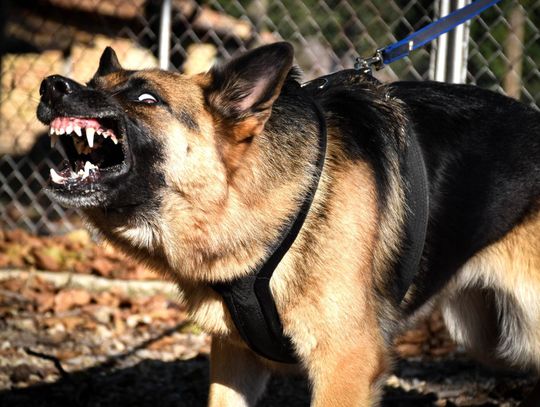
{"x":95,"y":148}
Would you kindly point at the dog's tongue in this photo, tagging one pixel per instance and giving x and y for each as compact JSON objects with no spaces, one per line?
{"x":63,"y":122}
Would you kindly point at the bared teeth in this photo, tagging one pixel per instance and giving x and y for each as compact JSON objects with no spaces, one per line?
{"x":54,"y":137}
{"x":88,"y":166}
{"x":56,"y":178}
{"x":90,"y":131}
{"x":77,"y":130}
{"x":84,"y":143}
{"x":82,"y":173}
{"x":90,"y":136}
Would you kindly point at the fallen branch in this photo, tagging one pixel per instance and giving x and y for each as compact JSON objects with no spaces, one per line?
{"x":97,"y":284}
{"x":51,"y":358}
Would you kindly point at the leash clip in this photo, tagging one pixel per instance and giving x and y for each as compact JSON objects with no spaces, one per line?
{"x":366,"y":65}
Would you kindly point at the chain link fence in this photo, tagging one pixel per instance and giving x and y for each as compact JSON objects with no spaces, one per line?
{"x":67,"y":36}
{"x":504,"y":50}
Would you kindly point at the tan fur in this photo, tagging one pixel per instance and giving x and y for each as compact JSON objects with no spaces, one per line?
{"x":224,"y":202}
{"x":213,"y":225}
{"x":493,"y":305}
{"x":235,"y":375}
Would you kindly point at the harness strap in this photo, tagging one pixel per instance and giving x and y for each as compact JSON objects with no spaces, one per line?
{"x":417,"y":198}
{"x":249,"y":299}
{"x":416,"y":188}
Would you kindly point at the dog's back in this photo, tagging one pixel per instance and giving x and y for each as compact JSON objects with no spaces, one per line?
{"x":482,"y":152}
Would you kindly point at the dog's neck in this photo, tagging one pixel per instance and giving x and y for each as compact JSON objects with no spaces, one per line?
{"x":219,"y":239}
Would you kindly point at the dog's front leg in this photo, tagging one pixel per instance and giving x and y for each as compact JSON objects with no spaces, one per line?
{"x":237,"y":376}
{"x":347,"y":374}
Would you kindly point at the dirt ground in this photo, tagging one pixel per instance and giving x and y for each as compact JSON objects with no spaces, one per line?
{"x":80,"y":325}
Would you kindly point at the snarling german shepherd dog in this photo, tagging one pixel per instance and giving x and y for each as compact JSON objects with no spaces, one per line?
{"x":200,"y":176}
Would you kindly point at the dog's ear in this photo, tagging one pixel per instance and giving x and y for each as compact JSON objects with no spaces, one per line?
{"x":108,"y":63}
{"x":243,"y":90}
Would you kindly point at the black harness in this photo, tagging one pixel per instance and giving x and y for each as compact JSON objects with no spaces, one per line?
{"x":249,"y":299}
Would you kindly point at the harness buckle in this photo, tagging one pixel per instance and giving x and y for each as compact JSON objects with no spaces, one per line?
{"x":366,"y":65}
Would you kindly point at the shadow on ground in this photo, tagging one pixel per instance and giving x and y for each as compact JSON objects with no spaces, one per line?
{"x":184,"y":383}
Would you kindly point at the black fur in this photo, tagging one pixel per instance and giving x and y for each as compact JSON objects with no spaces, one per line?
{"x":134,"y":190}
{"x":108,"y":63}
{"x":481,"y":149}
{"x":482,"y":152}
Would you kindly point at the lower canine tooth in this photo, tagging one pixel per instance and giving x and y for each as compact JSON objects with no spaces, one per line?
{"x":56,"y":178}
{"x":87,"y":167}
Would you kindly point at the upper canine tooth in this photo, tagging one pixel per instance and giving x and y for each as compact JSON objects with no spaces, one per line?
{"x":77,"y":130}
{"x":90,"y":136}
{"x":90,"y":131}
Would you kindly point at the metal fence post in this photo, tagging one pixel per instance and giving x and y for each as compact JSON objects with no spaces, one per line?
{"x":452,"y":48}
{"x":165,"y":34}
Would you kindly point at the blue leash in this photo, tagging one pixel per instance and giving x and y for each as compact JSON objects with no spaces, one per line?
{"x":402,"y":48}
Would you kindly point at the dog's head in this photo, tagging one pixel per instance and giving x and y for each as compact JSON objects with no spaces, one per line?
{"x":141,"y":144}
{"x":128,"y":134}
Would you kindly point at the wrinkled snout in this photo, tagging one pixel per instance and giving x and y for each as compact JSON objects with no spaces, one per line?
{"x":63,"y":97}
{"x":55,"y":87}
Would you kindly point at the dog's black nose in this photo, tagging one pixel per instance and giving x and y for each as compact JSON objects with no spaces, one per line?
{"x":55,"y":87}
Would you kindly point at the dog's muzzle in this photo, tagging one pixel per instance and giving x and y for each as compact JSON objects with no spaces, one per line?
{"x":88,"y":127}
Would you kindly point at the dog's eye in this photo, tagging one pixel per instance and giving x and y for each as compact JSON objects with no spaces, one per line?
{"x":147,"y":98}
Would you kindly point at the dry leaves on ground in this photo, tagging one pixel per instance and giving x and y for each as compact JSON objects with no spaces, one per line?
{"x":68,"y":345}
